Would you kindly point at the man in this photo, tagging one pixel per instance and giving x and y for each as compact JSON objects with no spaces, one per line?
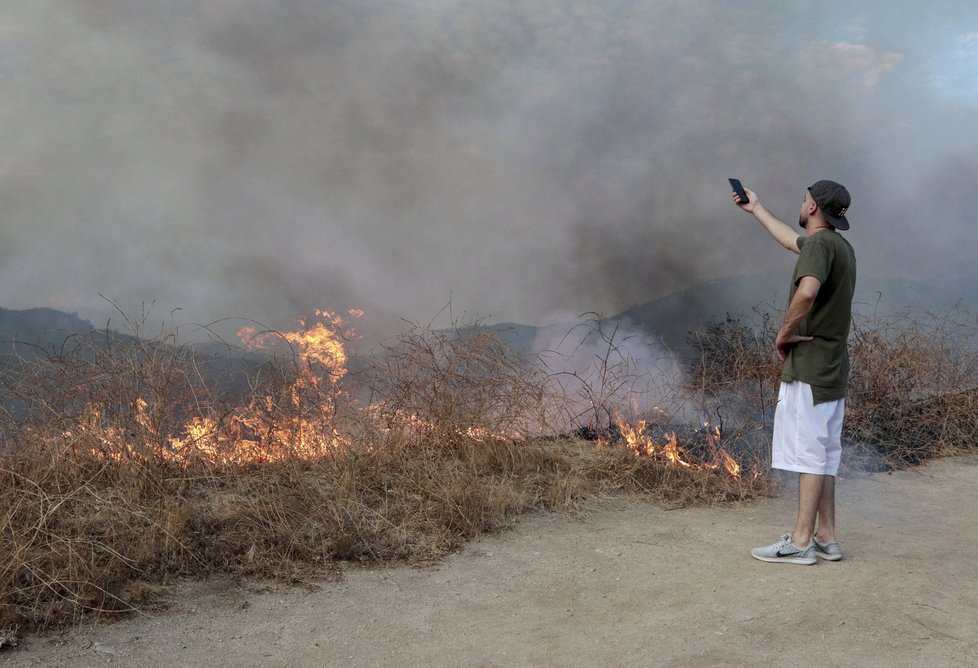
{"x":812,"y":344}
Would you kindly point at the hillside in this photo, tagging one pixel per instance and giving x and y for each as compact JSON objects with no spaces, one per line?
{"x":29,"y":335}
{"x":668,"y":319}
{"x":672,"y":317}
{"x":43,"y":328}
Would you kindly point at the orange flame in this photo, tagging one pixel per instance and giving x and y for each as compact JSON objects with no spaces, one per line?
{"x":305,"y":426}
{"x":671,"y":453}
{"x":318,"y":347}
{"x":259,"y":431}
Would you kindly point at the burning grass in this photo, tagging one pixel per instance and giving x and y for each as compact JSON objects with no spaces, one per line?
{"x":127,"y":462}
{"x":124,"y":464}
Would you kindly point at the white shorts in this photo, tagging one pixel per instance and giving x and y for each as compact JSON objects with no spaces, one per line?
{"x":807,"y":436}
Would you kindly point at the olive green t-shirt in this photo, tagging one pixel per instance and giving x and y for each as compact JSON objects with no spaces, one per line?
{"x":823,"y":362}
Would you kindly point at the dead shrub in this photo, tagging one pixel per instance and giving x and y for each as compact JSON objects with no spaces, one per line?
{"x":446,"y":384}
{"x":913,"y":388}
{"x":605,"y":370}
{"x":734,"y":371}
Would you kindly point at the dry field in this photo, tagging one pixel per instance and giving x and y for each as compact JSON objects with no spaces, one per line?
{"x":127,"y":466}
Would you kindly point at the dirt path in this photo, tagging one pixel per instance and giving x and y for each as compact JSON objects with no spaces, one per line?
{"x":625,"y":584}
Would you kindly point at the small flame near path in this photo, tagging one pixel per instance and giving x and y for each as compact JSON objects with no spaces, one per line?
{"x":669,"y":451}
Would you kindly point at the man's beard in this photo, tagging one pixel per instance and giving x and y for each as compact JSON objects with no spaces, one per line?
{"x":802,"y":222}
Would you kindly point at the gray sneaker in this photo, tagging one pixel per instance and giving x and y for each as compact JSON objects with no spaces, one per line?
{"x":785,"y":551}
{"x":831,"y":550}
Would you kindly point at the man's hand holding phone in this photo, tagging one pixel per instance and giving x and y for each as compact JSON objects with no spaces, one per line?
{"x":742,"y":197}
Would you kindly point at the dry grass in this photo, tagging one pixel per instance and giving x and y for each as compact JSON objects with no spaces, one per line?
{"x":914,"y":389}
{"x":83,"y":536}
{"x":121,"y":465}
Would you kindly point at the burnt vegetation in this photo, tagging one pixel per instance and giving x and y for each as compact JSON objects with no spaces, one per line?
{"x":127,"y":462}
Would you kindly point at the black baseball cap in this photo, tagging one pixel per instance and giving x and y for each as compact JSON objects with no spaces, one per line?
{"x":833,"y":199}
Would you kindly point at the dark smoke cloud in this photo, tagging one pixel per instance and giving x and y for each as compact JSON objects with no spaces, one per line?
{"x":260,"y":160}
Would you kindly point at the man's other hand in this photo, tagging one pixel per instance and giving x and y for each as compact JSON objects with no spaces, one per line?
{"x":784,"y":343}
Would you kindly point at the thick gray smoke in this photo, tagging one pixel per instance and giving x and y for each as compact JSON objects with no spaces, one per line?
{"x":258,"y":160}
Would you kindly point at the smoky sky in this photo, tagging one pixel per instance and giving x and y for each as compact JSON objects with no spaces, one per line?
{"x":520,"y":160}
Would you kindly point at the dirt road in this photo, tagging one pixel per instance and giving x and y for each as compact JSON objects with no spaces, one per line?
{"x":624,"y":584}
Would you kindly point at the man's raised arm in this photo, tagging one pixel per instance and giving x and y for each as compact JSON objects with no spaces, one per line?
{"x":783,"y":233}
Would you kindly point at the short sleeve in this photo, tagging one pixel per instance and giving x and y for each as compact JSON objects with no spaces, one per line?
{"x":815,"y":259}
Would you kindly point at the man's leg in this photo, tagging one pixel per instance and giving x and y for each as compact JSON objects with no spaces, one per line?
{"x":826,"y":511}
{"x":797,"y":547}
{"x":810,"y":488}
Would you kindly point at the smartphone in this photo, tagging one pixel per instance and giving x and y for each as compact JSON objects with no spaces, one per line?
{"x":739,"y":189}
